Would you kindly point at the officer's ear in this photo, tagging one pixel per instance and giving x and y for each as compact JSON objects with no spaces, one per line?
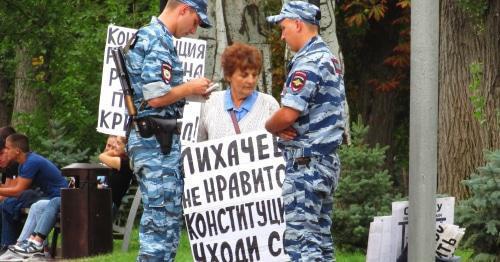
{"x":299,"y":25}
{"x":184,"y":9}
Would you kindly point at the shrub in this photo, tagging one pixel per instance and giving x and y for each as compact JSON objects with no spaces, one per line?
{"x":480,"y":214}
{"x":60,"y":149}
{"x":364,"y":190}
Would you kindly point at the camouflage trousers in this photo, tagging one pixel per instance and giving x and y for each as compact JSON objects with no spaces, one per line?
{"x":161,"y":191}
{"x":308,"y":197}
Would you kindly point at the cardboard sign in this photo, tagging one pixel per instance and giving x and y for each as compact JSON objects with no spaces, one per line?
{"x":389,"y":234}
{"x":232,"y":198}
{"x":113,"y":116}
{"x":444,"y":215}
{"x":112,"y":112}
{"x":447,"y":238}
{"x":379,"y":239}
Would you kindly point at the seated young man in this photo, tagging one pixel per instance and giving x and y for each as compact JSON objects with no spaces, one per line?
{"x":34,"y":171}
{"x":8,"y":170}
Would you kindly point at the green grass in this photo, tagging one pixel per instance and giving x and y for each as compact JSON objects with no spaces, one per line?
{"x":183,"y":253}
{"x":464,"y":255}
{"x":350,"y":257}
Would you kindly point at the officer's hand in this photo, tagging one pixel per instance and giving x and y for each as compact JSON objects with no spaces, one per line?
{"x":199,"y":86}
{"x":287,"y":134}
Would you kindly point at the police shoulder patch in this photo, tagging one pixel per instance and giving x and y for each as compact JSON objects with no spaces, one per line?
{"x":298,"y":81}
{"x":166,"y":72}
{"x":336,"y":65}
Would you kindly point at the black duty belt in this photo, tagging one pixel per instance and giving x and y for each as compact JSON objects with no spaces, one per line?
{"x":305,"y":160}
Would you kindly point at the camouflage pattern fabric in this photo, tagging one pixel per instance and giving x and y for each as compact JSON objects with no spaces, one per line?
{"x":200,"y":6}
{"x":154,"y":69}
{"x":161,"y":188}
{"x":297,"y":10}
{"x":308,"y":199}
{"x":315,"y":88}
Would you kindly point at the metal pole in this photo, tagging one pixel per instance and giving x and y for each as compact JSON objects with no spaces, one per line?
{"x":423,"y":129}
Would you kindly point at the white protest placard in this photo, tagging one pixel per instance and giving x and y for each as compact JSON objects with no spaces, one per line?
{"x":444,"y":215}
{"x":447,"y":238}
{"x":192,"y":53}
{"x":190,"y":121}
{"x":232,"y":198}
{"x":112,"y":113}
{"x":379,"y":239}
{"x":112,"y":116}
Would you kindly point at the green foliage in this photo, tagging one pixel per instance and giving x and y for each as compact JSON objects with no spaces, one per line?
{"x":364,"y":190}
{"x":94,"y":157}
{"x":61,"y":150}
{"x":476,"y":10}
{"x":272,"y":7}
{"x":67,"y":50}
{"x":478,"y":101}
{"x":480,"y":214}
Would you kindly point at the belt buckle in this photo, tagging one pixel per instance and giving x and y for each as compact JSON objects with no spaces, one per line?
{"x":303,"y":160}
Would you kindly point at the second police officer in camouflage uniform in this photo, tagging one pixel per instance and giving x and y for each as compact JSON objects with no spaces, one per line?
{"x":156,"y":76}
{"x":310,"y":126}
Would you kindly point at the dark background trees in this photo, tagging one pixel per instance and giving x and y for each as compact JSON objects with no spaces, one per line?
{"x":51,"y":61}
{"x":375,"y":40}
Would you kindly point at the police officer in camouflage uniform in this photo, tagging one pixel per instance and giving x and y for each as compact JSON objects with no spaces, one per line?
{"x":156,"y":73}
{"x":310,"y":126}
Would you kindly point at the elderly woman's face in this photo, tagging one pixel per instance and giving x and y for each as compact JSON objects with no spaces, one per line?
{"x":243,"y":83}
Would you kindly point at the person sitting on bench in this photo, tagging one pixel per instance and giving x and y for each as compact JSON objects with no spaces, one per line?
{"x":34,"y":171}
{"x":119,"y":181}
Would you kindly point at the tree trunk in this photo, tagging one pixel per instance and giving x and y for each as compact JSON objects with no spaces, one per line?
{"x":216,"y":40}
{"x":237,"y":21}
{"x":328,"y":28}
{"x":5,"y":109}
{"x":328,"y":32}
{"x":25,"y":96}
{"x":380,"y":108}
{"x":381,"y":117}
{"x":461,"y":139}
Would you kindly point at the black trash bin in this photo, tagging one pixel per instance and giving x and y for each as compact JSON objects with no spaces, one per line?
{"x":86,"y":217}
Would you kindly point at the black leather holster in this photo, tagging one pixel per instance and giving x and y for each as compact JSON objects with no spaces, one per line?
{"x":162,"y":129}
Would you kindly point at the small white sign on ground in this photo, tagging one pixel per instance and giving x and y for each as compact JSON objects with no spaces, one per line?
{"x":389,"y":234}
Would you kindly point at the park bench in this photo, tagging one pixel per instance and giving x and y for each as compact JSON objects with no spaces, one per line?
{"x":124,"y":222}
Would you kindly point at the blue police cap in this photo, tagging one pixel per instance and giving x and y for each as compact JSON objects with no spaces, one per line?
{"x":201,"y":8}
{"x":297,"y":10}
